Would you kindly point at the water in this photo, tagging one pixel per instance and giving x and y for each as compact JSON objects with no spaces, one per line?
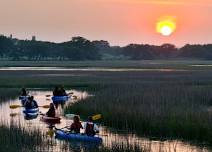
{"x":89,"y":69}
{"x":16,"y":117}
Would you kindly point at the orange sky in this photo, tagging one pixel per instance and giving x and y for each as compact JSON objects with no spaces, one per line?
{"x":118,"y":21}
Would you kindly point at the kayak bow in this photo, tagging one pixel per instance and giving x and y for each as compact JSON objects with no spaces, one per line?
{"x":53,"y":120}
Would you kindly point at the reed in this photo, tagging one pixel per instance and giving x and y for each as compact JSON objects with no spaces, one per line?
{"x":164,"y":105}
{"x":17,"y":139}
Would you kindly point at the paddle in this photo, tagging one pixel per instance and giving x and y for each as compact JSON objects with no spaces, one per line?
{"x":74,"y":97}
{"x":95,"y":117}
{"x":61,"y":128}
{"x":14,"y":114}
{"x":50,"y":133}
{"x":18,"y":106}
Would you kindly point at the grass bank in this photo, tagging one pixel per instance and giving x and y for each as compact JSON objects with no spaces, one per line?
{"x":8,"y":93}
{"x":163,"y":104}
{"x":15,"y":139}
{"x":150,"y":64}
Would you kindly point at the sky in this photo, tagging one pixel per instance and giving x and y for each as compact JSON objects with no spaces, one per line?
{"x":118,"y":21}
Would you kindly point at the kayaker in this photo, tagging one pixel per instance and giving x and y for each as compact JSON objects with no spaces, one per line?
{"x":90,"y":127}
{"x":31,"y":103}
{"x":56,"y":91}
{"x":76,"y":125}
{"x":63,"y":91}
{"x":24,"y":92}
{"x":51,"y":112}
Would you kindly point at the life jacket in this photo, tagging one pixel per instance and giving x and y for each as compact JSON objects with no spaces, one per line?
{"x":28,"y":105}
{"x":76,"y":127}
{"x":89,"y":130}
{"x":24,"y":93}
{"x":51,"y":112}
{"x":34,"y":104}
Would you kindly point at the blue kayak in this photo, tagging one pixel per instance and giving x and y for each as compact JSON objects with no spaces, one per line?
{"x":30,"y":116}
{"x":58,"y":99}
{"x":60,"y":134}
{"x":31,"y":113}
{"x":32,"y":110}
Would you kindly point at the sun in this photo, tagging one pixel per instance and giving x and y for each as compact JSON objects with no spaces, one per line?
{"x":166,"y":26}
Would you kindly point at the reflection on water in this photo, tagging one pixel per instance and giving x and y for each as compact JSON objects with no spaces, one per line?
{"x":16,"y":117}
{"x":202,"y":65}
{"x":88,"y":69}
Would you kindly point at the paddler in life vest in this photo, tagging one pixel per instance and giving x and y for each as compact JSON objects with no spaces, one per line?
{"x":30,"y":103}
{"x":51,"y":112}
{"x":56,"y":91}
{"x":76,"y":125}
{"x":63,"y":91}
{"x":90,"y":127}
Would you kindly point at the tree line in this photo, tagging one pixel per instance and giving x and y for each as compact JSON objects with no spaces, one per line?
{"x":79,"y":48}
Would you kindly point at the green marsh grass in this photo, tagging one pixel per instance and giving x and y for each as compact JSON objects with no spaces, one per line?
{"x":8,"y":93}
{"x":165,"y":104}
{"x":16,"y":139}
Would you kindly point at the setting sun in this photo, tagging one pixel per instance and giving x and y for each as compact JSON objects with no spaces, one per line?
{"x":166,"y":26}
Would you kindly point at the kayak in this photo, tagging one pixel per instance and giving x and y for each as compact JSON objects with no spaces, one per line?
{"x":32,"y":110}
{"x":30,"y":116}
{"x":60,"y":134}
{"x":50,"y":119}
{"x":31,"y":113}
{"x":58,"y":99}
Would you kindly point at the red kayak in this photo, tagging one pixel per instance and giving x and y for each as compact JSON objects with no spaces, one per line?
{"x":50,"y":119}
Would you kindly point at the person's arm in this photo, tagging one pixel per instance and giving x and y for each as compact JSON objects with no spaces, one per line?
{"x":25,"y":103}
{"x":71,"y":127}
{"x":47,"y":113}
{"x":96,"y":128}
{"x":84,"y":126}
{"x":36,"y":104}
{"x":81,"y":126}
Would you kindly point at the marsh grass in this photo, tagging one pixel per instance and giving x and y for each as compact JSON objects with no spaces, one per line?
{"x":17,"y":139}
{"x":122,"y":148}
{"x":166,"y":105}
{"x":159,"y":104}
{"x":8,"y":93}
{"x":151,"y":64}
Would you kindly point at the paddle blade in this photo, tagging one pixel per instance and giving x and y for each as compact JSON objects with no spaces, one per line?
{"x":13,"y":114}
{"x":70,"y":93}
{"x":45,"y":106}
{"x":97,"y":117}
{"x":48,"y":95}
{"x":14,"y":106}
{"x":50,"y":133}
